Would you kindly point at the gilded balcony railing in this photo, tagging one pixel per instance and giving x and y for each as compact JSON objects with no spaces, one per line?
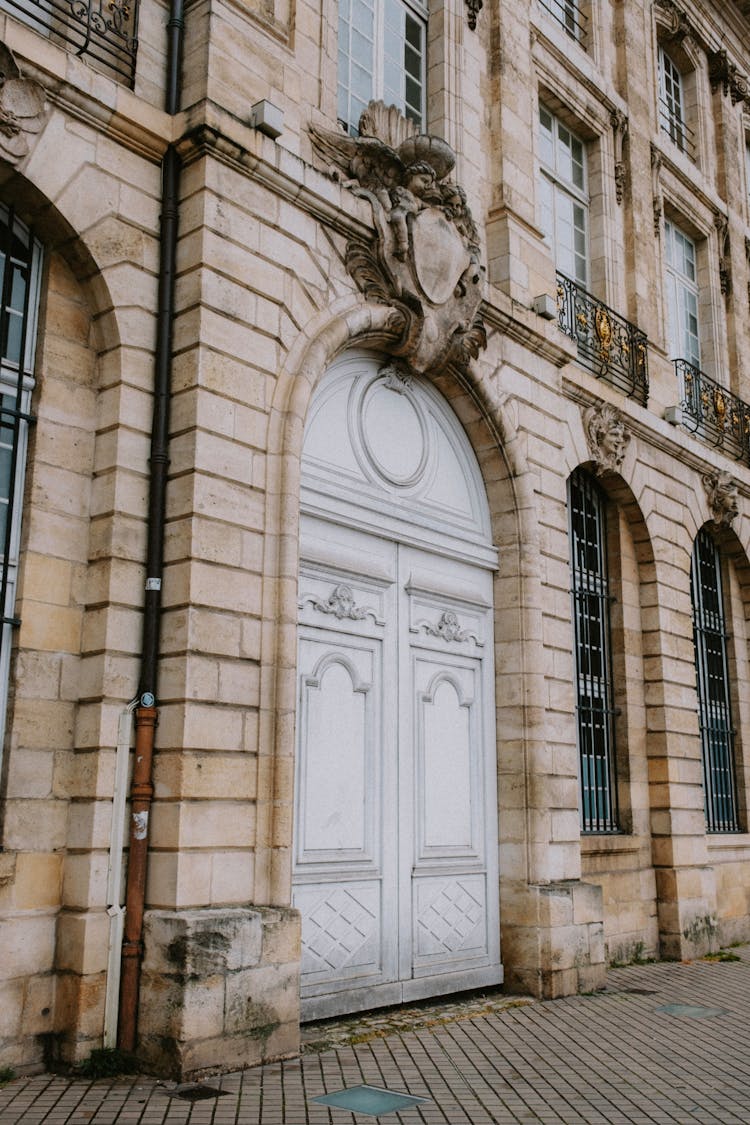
{"x":713,"y":412}
{"x":608,"y":344}
{"x":105,"y":32}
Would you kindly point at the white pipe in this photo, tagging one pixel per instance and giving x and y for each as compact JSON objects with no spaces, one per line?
{"x":115,"y":907}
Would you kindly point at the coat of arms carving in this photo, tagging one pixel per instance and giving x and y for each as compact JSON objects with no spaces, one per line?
{"x":424,"y":261}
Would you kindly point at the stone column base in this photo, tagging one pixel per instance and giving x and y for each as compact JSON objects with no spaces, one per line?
{"x":553,"y":938}
{"x":686,"y":904}
{"x":219,"y":989}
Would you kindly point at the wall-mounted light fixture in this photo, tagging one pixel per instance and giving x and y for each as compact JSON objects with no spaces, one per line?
{"x":267,"y":118}
{"x":545,"y":306}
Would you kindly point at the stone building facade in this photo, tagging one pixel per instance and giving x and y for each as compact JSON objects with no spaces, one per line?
{"x":451,"y":678}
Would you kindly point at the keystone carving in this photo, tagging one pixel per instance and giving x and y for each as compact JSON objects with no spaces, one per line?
{"x":424,"y":260}
{"x":607,"y":437}
{"x":721,"y":493}
{"x":21,"y":109}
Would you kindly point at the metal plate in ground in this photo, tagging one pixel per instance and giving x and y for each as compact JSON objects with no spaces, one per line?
{"x":369,"y":1099}
{"x":195,"y":1092}
{"x":692,"y":1011}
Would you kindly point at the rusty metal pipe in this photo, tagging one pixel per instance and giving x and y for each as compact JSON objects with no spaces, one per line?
{"x":142,"y":792}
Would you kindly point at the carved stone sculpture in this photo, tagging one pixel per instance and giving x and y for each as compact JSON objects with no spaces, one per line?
{"x":620,"y":126}
{"x":424,"y":261}
{"x":656,"y":192}
{"x":721,"y":493}
{"x":725,"y":260}
{"x":21,"y":109}
{"x":607,"y":437}
{"x":676,"y":21}
{"x":723,"y":72}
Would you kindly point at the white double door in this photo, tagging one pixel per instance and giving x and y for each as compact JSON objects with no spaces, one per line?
{"x":395,"y":866}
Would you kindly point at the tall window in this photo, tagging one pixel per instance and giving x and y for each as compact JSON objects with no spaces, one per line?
{"x":717,"y":734}
{"x":563,"y":196}
{"x":682,"y":295}
{"x":381,"y":55}
{"x":672,"y":105}
{"x":20,"y":259}
{"x":594,"y":702}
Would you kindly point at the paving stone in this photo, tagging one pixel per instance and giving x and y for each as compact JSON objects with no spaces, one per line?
{"x":609,"y":1058}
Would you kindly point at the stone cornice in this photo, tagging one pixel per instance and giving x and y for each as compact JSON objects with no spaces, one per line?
{"x":525,"y":327}
{"x":686,"y":177}
{"x":205,"y":138}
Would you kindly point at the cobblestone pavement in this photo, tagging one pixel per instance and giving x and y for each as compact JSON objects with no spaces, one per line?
{"x":664,"y":1043}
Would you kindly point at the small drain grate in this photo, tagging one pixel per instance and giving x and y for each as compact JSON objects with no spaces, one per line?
{"x":195,"y":1092}
{"x":369,"y":1099}
{"x":692,"y":1011}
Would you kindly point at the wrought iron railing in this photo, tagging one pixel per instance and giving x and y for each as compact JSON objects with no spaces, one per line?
{"x":713,"y":412}
{"x":105,"y":32}
{"x":608,"y":344}
{"x":570,"y":17}
{"x":677,"y":129}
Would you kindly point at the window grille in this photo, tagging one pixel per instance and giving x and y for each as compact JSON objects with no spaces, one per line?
{"x":594,"y":707}
{"x":381,"y":54}
{"x":20,"y":261}
{"x":712,"y":675}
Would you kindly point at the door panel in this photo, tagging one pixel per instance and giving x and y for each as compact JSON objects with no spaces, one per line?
{"x":394,"y":813}
{"x":337,"y":716}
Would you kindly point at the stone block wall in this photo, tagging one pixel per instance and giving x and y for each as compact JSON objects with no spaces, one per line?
{"x":220,"y":989}
{"x":264,"y":304}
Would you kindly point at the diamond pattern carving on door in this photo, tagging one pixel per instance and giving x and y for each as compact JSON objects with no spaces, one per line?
{"x":337,"y":931}
{"x":450,"y":916}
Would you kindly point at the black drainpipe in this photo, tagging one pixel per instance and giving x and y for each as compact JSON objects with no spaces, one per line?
{"x":146,"y":715}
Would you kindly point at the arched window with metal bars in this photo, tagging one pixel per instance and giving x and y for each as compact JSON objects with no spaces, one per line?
{"x":593,"y":654}
{"x":20,"y":262}
{"x":712,"y":675}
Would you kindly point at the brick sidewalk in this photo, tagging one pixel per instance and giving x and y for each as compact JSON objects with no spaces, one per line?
{"x":612,"y":1057}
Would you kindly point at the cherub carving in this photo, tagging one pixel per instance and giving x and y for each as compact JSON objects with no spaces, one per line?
{"x":418,"y":191}
{"x":403,"y":180}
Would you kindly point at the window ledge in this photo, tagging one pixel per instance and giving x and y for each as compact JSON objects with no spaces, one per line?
{"x":617,"y":843}
{"x":729,"y":842}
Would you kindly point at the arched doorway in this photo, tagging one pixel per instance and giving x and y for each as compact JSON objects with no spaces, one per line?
{"x":395,"y":855}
